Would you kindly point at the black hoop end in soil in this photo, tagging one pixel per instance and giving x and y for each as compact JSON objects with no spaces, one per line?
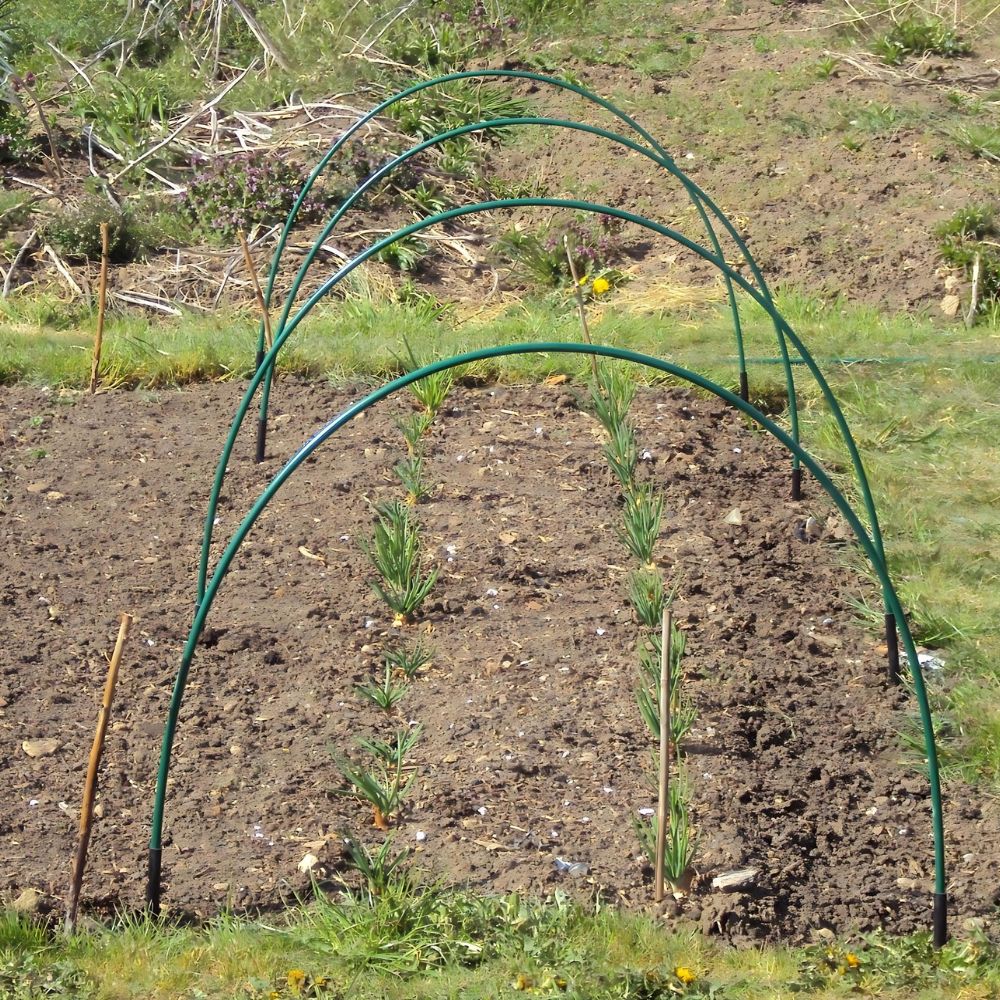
{"x":940,"y":919}
{"x":153,"y":881}
{"x":797,"y":483}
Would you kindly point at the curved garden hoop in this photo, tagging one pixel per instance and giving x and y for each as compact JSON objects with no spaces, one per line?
{"x":266,"y":364}
{"x":874,"y":555}
{"x":698,"y":197}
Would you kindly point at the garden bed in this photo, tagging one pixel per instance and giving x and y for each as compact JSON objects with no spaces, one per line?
{"x":533,"y":748}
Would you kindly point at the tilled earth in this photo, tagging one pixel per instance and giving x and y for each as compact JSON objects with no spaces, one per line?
{"x":532,"y":746}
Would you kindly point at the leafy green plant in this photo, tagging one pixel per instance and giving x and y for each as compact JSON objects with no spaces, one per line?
{"x":429,"y":112}
{"x":457,"y":158}
{"x":122,"y":115}
{"x":980,"y":140}
{"x":647,"y":597}
{"x":405,"y":254}
{"x":394,"y":754}
{"x":383,"y":785}
{"x":427,"y":199}
{"x":919,"y":36}
{"x":498,"y":188}
{"x":15,"y":144}
{"x":595,"y":245}
{"x":874,"y":119}
{"x":641,"y":516}
{"x":75,"y":231}
{"x":682,"y":711}
{"x":230,"y":193}
{"x":432,"y":390}
{"x":395,"y":553}
{"x":826,"y":66}
{"x":409,"y":660}
{"x":384,"y":694}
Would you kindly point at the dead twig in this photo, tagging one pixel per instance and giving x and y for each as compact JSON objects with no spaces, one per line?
{"x":35,"y":185}
{"x":43,"y":121}
{"x":102,"y":302}
{"x":147,"y":302}
{"x":581,"y":307}
{"x":63,"y":270}
{"x":183,"y":125}
{"x":257,"y":30}
{"x":977,"y":268}
{"x":17,"y":260}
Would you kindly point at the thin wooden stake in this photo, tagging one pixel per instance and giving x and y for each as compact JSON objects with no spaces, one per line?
{"x":102,"y":302}
{"x":580,"y":304}
{"x":970,"y":316}
{"x":90,"y":787}
{"x":268,"y":337}
{"x":664,"y":792}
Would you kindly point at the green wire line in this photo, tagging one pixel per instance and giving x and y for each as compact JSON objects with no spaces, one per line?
{"x":875,"y":556}
{"x":764,"y":302}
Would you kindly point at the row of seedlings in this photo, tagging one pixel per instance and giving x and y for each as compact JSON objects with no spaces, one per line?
{"x":612,"y":394}
{"x":403,"y":583}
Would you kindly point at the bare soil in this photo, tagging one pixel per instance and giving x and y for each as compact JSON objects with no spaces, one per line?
{"x":532,"y":746}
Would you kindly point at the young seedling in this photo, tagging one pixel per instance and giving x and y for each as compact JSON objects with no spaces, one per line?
{"x":413,"y":430}
{"x":385,"y":694}
{"x":645,"y":588}
{"x":611,"y":395}
{"x":682,"y":711}
{"x":395,"y":553}
{"x":622,"y":454}
{"x":409,"y":661}
{"x":432,"y":390}
{"x":384,"y":786}
{"x":410,"y":472}
{"x":679,"y":841}
{"x":393,"y":754}
{"x":641,"y":521}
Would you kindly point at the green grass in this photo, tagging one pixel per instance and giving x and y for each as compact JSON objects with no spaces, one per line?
{"x":930,"y":436}
{"x":415,"y":941}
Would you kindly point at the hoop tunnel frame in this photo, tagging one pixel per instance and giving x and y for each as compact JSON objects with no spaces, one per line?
{"x":764,"y":301}
{"x":939,"y":912}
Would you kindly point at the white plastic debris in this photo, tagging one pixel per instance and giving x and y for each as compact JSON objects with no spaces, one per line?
{"x":571,"y":867}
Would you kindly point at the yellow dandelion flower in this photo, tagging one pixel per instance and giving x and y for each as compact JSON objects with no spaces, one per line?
{"x":685,"y":975}
{"x":296,"y":980}
{"x":852,"y":960}
{"x":601,"y":285}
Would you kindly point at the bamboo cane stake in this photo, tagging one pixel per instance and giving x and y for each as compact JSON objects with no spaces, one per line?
{"x":664,"y":791}
{"x":579,"y":303}
{"x":90,"y":787}
{"x":258,"y":294}
{"x":102,"y":302}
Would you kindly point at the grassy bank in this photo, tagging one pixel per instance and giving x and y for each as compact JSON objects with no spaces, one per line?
{"x":411,"y":941}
